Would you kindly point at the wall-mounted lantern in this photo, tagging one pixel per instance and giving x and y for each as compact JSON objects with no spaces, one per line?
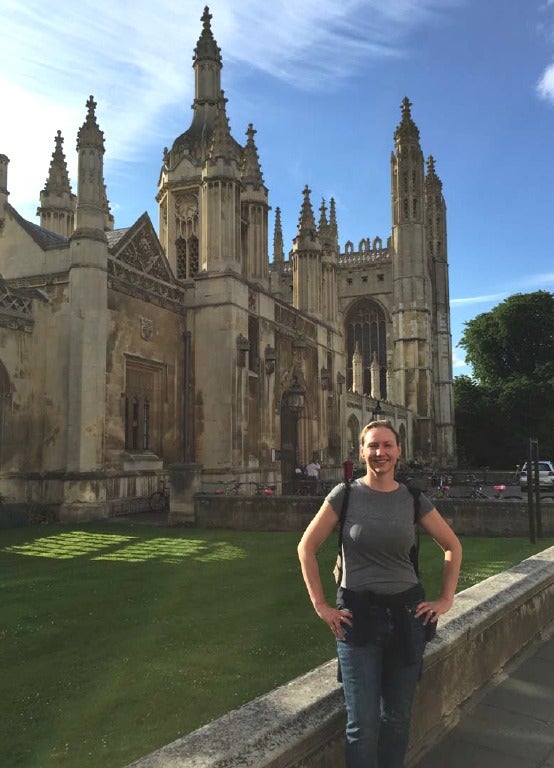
{"x":270,"y":358}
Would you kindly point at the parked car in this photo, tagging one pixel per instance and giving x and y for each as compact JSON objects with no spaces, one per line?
{"x":546,"y":475}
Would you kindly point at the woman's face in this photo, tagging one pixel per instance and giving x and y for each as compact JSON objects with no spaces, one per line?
{"x":380,"y":451}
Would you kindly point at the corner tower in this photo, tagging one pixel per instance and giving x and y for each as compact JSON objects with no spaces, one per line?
{"x":179,"y":186}
{"x":444,"y":437}
{"x":88,"y":292}
{"x":411,"y":286}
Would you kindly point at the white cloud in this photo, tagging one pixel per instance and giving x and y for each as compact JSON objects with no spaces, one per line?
{"x":136,"y":61}
{"x":545,"y":86}
{"x":458,"y":362}
{"x":485,"y":299}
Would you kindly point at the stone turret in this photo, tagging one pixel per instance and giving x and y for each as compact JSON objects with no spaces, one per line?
{"x":435,"y":235}
{"x":180,"y":192}
{"x":91,"y":192}
{"x":88,"y":292}
{"x":306,"y":261}
{"x":254,"y":210}
{"x":57,"y":202}
{"x":220,"y":246}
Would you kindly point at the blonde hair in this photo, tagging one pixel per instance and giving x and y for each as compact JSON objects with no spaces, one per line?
{"x":379,"y":423}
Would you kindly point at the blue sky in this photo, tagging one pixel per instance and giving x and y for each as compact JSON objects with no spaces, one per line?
{"x":322,"y":82}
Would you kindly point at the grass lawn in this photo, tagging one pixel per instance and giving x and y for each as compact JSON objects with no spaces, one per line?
{"x":117,"y":639}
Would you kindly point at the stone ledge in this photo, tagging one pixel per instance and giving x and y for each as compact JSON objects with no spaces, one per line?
{"x":300,"y":725}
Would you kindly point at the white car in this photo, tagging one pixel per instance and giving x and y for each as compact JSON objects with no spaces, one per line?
{"x":546,"y":475}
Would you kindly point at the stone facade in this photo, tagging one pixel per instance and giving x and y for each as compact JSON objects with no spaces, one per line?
{"x":124,"y":351}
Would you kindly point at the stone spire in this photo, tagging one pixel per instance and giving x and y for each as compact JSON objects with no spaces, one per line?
{"x":222,"y":145}
{"x":251,"y":172}
{"x":323,"y":226}
{"x":196,"y":140}
{"x":431,"y":179}
{"x":306,"y":223}
{"x":57,"y":202}
{"x":278,"y":250}
{"x":91,"y":195}
{"x":333,"y":228}
{"x":58,"y":178}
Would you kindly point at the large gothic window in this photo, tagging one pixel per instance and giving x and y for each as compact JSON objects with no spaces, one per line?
{"x":366,"y":326}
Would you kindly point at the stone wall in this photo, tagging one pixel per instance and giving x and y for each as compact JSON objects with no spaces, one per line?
{"x":300,"y":725}
{"x":293,"y":513}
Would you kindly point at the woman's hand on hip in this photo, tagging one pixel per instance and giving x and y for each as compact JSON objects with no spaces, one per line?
{"x":335,"y":618}
{"x":431,"y":610}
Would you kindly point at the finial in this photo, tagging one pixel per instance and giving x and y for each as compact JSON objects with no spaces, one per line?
{"x":407,"y":128}
{"x":91,"y":105}
{"x":206,"y":17}
{"x":406,"y":108}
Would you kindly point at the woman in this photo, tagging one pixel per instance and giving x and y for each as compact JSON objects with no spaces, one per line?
{"x":379,"y":622}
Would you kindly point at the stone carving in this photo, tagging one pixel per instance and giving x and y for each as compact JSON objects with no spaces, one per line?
{"x":146,"y":329}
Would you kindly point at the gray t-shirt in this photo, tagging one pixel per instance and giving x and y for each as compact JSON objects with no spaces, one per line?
{"x":377,"y":536}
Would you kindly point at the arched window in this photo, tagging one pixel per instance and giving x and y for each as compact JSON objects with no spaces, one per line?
{"x":192,"y":254}
{"x":365,"y":325}
{"x":181,"y":249}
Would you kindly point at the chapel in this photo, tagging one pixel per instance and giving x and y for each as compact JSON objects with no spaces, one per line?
{"x":188,"y":342}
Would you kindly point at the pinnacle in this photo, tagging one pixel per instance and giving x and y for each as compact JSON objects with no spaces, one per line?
{"x":407,"y":128}
{"x":58,"y":178}
{"x":306,"y":223}
{"x":206,"y":47}
{"x":251,"y":171}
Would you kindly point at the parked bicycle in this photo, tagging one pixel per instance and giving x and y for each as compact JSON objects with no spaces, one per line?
{"x":479,"y":493}
{"x":159,"y":500}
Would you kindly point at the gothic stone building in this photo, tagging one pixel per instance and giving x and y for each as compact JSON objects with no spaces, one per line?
{"x":126,"y":351}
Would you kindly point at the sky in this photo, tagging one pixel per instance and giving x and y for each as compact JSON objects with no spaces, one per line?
{"x":322,"y":82}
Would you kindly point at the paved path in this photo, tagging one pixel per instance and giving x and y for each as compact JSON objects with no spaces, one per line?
{"x":511,"y":725}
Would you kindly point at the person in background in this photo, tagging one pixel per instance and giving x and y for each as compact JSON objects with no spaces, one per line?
{"x":312,"y":469}
{"x":379,"y":622}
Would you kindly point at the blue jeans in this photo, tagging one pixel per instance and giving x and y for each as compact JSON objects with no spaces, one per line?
{"x":378,"y":692}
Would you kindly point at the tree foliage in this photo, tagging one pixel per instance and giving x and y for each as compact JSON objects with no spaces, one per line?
{"x":511,"y":350}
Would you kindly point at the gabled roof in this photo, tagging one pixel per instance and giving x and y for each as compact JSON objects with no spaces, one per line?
{"x":138,"y":246}
{"x":42,"y":237}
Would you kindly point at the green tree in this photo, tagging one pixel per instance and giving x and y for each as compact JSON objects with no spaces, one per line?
{"x":511,"y":350}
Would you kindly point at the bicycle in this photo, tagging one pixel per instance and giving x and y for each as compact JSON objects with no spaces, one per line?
{"x":159,"y":500}
{"x":479,"y":493}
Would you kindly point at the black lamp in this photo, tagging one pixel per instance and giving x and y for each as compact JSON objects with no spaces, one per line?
{"x":376,"y":412}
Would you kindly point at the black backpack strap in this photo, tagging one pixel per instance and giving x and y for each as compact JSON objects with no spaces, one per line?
{"x":343,"y":509}
{"x":414,"y":552}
